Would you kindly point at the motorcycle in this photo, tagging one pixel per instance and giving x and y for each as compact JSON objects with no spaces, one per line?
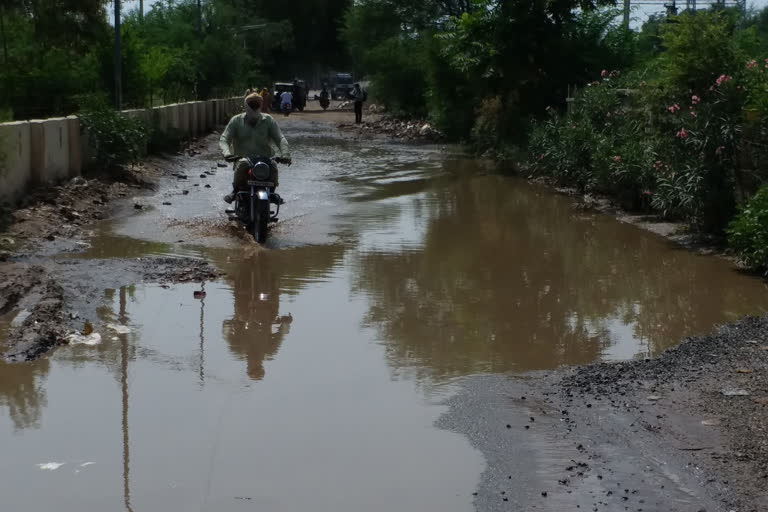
{"x":253,"y":207}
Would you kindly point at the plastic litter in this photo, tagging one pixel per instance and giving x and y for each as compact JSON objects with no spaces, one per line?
{"x":20,"y":317}
{"x":50,"y":466}
{"x":82,"y":339}
{"x":735,"y":392}
{"x":119,"y":329}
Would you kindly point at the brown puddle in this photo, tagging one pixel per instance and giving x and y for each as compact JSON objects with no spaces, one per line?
{"x":310,"y":377}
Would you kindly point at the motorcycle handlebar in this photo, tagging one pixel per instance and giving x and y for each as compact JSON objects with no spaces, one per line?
{"x":279,"y":159}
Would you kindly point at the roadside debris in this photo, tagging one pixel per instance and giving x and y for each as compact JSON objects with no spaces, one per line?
{"x":735,"y":392}
{"x":83,"y":339}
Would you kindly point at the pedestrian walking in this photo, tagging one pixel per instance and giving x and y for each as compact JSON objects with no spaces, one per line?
{"x":266,"y":106}
{"x":359,"y":95}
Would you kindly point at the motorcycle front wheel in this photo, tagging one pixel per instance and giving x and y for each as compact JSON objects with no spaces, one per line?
{"x":258,"y":227}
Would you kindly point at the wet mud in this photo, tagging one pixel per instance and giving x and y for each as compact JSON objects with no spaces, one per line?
{"x":684,"y":431}
{"x":48,"y":296}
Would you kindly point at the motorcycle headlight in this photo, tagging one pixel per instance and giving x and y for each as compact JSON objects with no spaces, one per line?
{"x":261,"y":171}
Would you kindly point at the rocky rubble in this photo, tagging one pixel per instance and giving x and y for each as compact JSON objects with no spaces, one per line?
{"x":396,"y":128}
{"x":717,"y":384}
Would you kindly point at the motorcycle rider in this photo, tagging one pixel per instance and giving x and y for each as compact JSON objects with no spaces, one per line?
{"x":247,"y":135}
{"x":324,"y":96}
{"x":286,"y":102}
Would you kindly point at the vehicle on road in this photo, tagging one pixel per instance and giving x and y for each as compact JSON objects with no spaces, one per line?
{"x":298,"y":90}
{"x":254,"y":206}
{"x":342,"y":86}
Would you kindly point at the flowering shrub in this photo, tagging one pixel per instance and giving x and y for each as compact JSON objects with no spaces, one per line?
{"x":678,"y":154}
{"x":748,"y":233}
{"x":598,"y":147}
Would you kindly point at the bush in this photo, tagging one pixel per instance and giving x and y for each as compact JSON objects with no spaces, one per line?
{"x":748,"y":232}
{"x":601,"y":146}
{"x":116,"y":140}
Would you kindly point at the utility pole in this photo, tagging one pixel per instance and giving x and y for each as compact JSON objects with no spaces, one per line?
{"x":118,"y":60}
{"x":626,"y":13}
{"x":141,"y":10}
{"x":2,"y":33}
{"x":200,"y":19}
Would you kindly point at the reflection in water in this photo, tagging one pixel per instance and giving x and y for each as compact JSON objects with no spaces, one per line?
{"x":201,"y":367}
{"x":510,"y":278}
{"x":257,"y":328}
{"x":22,"y":388}
{"x":22,"y":391}
{"x":123,"y":319}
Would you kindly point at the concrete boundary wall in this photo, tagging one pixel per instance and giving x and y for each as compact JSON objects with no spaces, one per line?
{"x":43,"y":152}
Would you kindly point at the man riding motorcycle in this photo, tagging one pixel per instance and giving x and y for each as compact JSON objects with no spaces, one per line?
{"x":249,"y":135}
{"x":324,"y":98}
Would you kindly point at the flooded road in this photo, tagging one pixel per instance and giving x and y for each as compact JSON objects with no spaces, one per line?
{"x":312,"y":374}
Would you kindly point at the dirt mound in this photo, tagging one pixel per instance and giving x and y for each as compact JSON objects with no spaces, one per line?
{"x":717,"y":384}
{"x":40,"y":323}
{"x":396,"y":128}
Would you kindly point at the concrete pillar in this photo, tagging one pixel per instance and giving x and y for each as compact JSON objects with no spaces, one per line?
{"x":192,"y":109}
{"x":202,"y":125}
{"x":210,"y":119}
{"x":75,"y":147}
{"x":15,"y":170}
{"x":175,"y":119}
{"x":49,"y":150}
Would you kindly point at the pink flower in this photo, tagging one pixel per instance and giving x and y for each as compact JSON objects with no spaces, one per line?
{"x":752,"y":64}
{"x":723,"y":79}
{"x":608,"y":114}
{"x":647,"y":193}
{"x":617,"y":158}
{"x":673,"y":108}
{"x":542,"y":156}
{"x":695,"y":99}
{"x":604,"y":73}
{"x":682,"y":134}
{"x":693,"y":113}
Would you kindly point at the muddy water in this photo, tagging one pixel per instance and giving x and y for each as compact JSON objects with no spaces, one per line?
{"x":310,"y":376}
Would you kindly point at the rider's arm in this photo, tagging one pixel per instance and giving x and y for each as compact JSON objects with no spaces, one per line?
{"x":225,"y":141}
{"x":280,"y":141}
